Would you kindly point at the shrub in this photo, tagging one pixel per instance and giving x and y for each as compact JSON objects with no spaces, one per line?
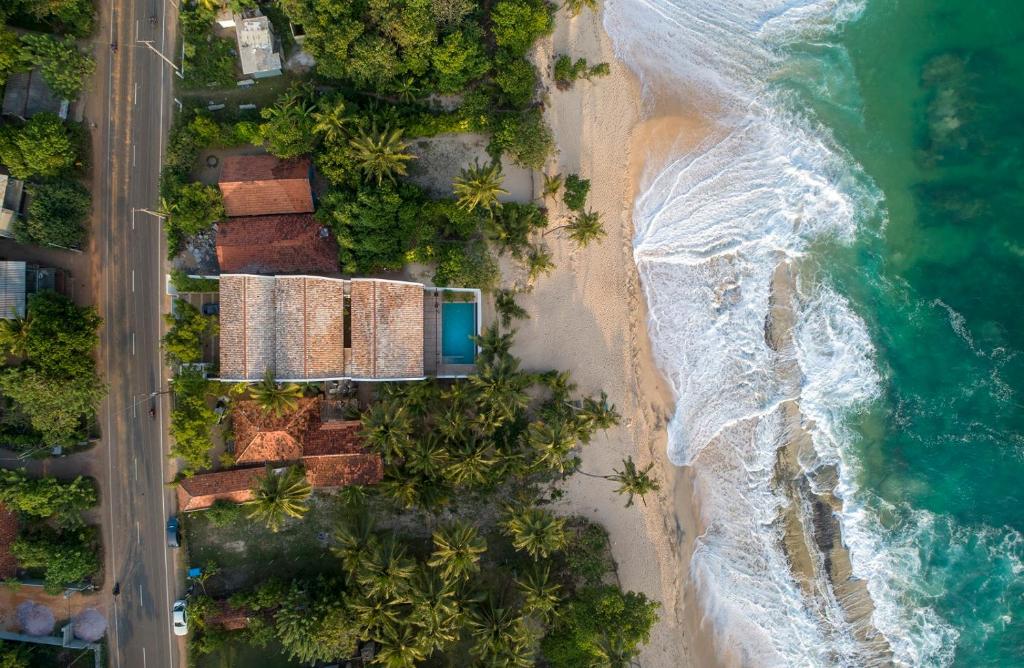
{"x":63,"y":66}
{"x":208,"y":59}
{"x":576,"y":191}
{"x":191,"y":420}
{"x":567,"y":71}
{"x":459,"y":59}
{"x":525,"y":137}
{"x":10,"y":54}
{"x":183,"y":343}
{"x":45,"y":497}
{"x":587,"y":557}
{"x":517,"y":79}
{"x":57,"y":215}
{"x":601,"y":626}
{"x":224,"y":513}
{"x":44,"y":146}
{"x":183,"y":283}
{"x":466,"y":266}
{"x":195,"y":207}
{"x":518,"y":23}
{"x":73,"y":17}
{"x":65,"y":558}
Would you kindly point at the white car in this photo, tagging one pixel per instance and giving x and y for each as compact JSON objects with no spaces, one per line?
{"x":179,"y":618}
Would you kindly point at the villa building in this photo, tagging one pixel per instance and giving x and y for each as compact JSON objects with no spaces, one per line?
{"x":312,"y":328}
{"x":281,"y":244}
{"x":262,"y":185}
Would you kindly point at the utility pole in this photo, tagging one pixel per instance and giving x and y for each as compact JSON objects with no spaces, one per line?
{"x":149,"y":45}
{"x":157,"y":214}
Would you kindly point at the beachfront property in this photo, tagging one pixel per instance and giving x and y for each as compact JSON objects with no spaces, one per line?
{"x":305,"y":328}
{"x":329,"y":450}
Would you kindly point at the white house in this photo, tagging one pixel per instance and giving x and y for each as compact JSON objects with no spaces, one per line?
{"x":256,"y":47}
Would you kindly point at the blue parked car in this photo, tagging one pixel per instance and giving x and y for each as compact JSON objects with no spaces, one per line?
{"x":173,"y":532}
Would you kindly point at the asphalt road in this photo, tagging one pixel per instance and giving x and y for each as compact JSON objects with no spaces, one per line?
{"x":131,"y":132}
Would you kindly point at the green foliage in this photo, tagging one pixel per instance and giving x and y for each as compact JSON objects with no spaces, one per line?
{"x":576,"y":191}
{"x":380,"y":155}
{"x":458,"y":60}
{"x":536,"y":531}
{"x":56,"y":388}
{"x":313,"y":624}
{"x":466,"y":265}
{"x":602,"y":626}
{"x":65,"y":558}
{"x":74,"y":17}
{"x":195,"y":207}
{"x":57,"y":215}
{"x":574,"y":7}
{"x":10,"y":53}
{"x":14,"y":655}
{"x":42,"y":147}
{"x":278,"y":495}
{"x":585,"y":227}
{"x":525,"y":137}
{"x":539,"y":262}
{"x":479,"y":186}
{"x":273,"y":397}
{"x":374,"y":227}
{"x":46,"y":497}
{"x":287,"y":126}
{"x":224,"y":513}
{"x":518,"y":23}
{"x":63,"y":66}
{"x":567,"y":71}
{"x":512,"y":224}
{"x":208,"y":59}
{"x":633,"y":481}
{"x":586,"y":557}
{"x":517,"y":79}
{"x":183,"y":342}
{"x":457,"y":550}
{"x":191,"y":420}
{"x":552,"y":184}
{"x":507,"y":308}
{"x":182,"y":283}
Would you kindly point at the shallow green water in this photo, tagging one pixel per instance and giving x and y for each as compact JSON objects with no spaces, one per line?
{"x":936,"y":119}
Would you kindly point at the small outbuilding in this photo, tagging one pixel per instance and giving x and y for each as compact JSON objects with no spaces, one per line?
{"x":256,"y":48}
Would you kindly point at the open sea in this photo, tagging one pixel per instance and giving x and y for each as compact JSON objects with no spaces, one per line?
{"x":876,"y":148}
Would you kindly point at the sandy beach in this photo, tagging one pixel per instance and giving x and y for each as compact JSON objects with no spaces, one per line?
{"x":589,"y":317}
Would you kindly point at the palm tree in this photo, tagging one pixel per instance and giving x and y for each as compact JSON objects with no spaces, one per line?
{"x":407,"y":90}
{"x":535,"y":531}
{"x":457,"y":551}
{"x":507,"y":307}
{"x":381,"y":155}
{"x":552,"y":184}
{"x":330,"y":120}
{"x":378,"y":616}
{"x":355,"y":543}
{"x":14,"y":335}
{"x":387,"y":571}
{"x":427,"y":456}
{"x":471,"y":469}
{"x":501,"y":386}
{"x":479,"y":186}
{"x":592,"y":416}
{"x":540,"y":595}
{"x":500,"y":635}
{"x":493,"y":343}
{"x":552,"y":441}
{"x":387,"y":430}
{"x":436,"y":610}
{"x":275,"y":398}
{"x":634,"y":482}
{"x":401,"y":648}
{"x":583,"y":228}
{"x":277,"y":496}
{"x":209,"y":5}
{"x":539,"y":262}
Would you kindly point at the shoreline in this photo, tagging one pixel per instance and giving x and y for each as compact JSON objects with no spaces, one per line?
{"x":589,"y":316}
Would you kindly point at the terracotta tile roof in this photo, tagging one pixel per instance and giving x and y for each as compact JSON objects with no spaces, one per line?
{"x":291,"y":325}
{"x":387,"y":329}
{"x":260,"y":185}
{"x":283,"y":244}
{"x":202,"y":491}
{"x":334,"y":438}
{"x":264,"y":437}
{"x":8,"y":533}
{"x":327,"y":471}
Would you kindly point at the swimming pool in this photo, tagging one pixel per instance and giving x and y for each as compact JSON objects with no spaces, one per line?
{"x":458,"y":323}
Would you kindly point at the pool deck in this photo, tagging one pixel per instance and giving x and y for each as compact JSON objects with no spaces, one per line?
{"x":433,"y":361}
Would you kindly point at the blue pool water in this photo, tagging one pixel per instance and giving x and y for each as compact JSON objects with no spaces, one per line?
{"x":458,"y":323}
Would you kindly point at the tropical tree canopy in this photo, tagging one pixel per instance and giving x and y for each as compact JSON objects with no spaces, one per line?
{"x":479,"y":186}
{"x":273,"y":397}
{"x":280,"y":495}
{"x":381,"y":155}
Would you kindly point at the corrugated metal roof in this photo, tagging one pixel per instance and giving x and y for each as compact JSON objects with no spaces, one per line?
{"x":12,"y":289}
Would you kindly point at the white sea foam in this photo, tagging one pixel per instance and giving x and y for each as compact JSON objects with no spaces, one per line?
{"x":711,"y":229}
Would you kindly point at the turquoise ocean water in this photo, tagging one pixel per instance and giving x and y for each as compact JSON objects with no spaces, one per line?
{"x":937,"y":122}
{"x":877,"y":147}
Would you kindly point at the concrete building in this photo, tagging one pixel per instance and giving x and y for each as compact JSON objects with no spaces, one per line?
{"x":256,"y":47}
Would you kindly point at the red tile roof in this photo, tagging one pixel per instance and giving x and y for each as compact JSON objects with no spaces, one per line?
{"x":343,"y":470}
{"x":283,"y":244}
{"x":8,"y":533}
{"x":260,"y":185}
{"x":201,"y":491}
{"x":261,"y":436}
